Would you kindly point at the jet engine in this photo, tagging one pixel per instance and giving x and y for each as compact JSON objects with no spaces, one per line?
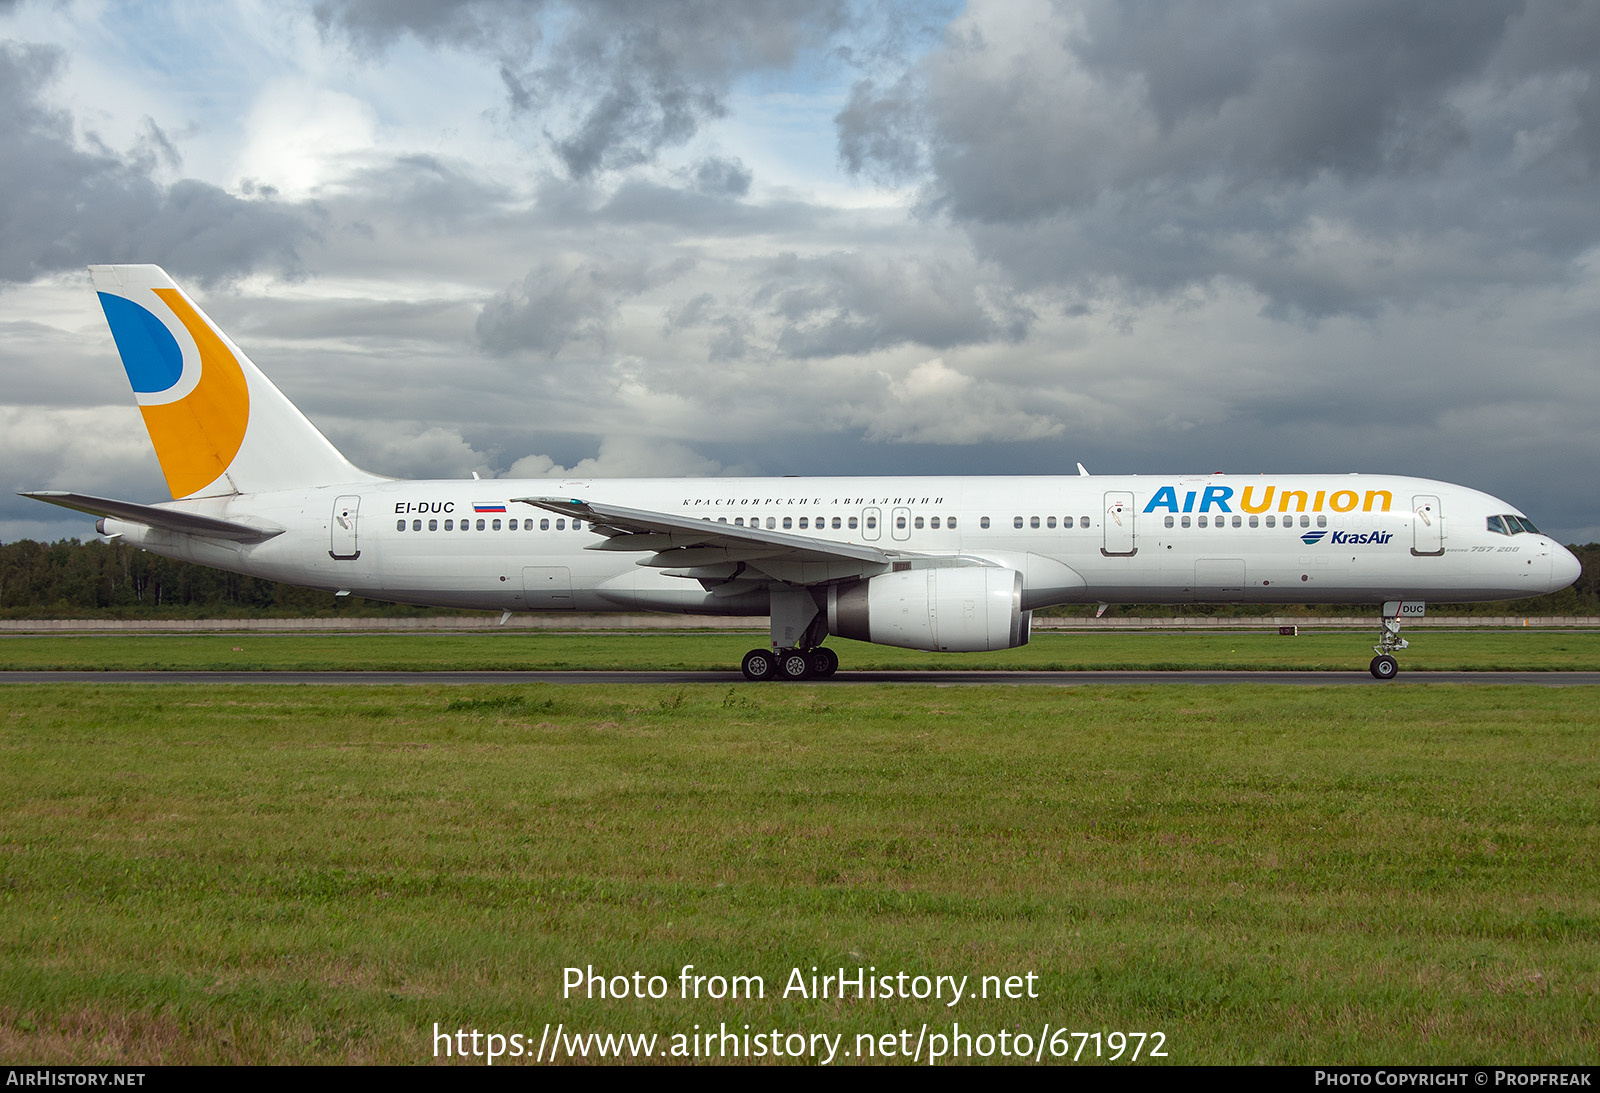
{"x":965,"y":609}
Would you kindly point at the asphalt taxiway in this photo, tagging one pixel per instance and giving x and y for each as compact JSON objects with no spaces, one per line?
{"x":844,"y":678}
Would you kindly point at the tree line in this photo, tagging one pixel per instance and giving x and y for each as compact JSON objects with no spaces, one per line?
{"x":96,"y":579}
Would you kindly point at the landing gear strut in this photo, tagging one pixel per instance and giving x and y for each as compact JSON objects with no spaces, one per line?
{"x":1384,"y":666}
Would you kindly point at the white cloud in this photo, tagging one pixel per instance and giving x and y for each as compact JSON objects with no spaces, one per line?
{"x":623,"y":457}
{"x":935,"y":404}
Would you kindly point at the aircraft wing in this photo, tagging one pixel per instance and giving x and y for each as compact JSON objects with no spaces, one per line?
{"x":187,"y":523}
{"x":688,"y":546}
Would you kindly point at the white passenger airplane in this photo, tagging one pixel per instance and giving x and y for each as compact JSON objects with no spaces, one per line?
{"x":924,"y":563}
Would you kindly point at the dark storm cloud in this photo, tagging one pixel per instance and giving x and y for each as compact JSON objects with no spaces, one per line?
{"x":62,"y":207}
{"x":568,"y":299}
{"x":503,"y":27}
{"x":1337,"y":158}
{"x":721,"y":177}
{"x":848,"y":303}
{"x":637,"y":75}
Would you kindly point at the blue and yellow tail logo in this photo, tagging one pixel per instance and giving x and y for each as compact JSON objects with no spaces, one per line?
{"x":190,"y":388}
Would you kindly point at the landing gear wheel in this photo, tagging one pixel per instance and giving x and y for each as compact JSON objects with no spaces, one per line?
{"x":824,"y":662}
{"x":759,"y":664}
{"x":794,"y":664}
{"x":1384,"y":666}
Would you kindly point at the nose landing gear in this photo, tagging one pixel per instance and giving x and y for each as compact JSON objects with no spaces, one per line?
{"x":1384,"y":666}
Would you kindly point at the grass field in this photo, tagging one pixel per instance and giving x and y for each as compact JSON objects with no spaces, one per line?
{"x":315,"y":874}
{"x":1431,"y":650}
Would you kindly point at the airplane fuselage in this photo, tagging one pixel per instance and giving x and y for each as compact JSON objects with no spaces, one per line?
{"x":1118,"y":539}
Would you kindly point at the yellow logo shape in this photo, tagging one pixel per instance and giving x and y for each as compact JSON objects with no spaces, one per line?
{"x":197,"y":436}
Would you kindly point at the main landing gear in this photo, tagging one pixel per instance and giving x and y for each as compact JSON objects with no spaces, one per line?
{"x":799,"y":626}
{"x":792,"y":664}
{"x":1384,"y":666}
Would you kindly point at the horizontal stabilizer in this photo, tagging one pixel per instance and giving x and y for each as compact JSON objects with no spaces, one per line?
{"x":187,"y":523}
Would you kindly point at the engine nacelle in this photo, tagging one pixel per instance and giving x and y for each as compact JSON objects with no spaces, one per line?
{"x":967,"y":609}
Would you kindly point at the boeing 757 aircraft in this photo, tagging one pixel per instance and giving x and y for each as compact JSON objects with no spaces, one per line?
{"x":955,"y":563}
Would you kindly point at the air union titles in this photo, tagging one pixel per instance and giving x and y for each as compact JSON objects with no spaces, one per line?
{"x":1218,"y":498}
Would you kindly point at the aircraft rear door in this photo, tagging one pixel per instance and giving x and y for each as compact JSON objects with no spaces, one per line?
{"x":1118,"y":538}
{"x":342,"y":542}
{"x":1427,"y":526}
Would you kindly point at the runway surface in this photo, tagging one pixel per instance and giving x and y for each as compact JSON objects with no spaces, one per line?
{"x":938,"y":679}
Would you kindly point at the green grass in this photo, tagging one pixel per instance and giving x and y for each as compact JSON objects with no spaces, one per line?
{"x":1349,"y":650}
{"x":311,"y":874}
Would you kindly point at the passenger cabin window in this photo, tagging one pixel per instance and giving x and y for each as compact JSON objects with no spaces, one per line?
{"x":1169,"y":521}
{"x":449,"y":525}
{"x":1322,"y":521}
{"x":853,"y":523}
{"x":399,"y":525}
{"x":788,"y":522}
{"x":496,"y":525}
{"x":544,"y":525}
{"x":872,"y":522}
{"x":1236,"y":521}
{"x":900,"y":522}
{"x":1272,"y":521}
{"x":950,"y":523}
{"x":836,"y":521}
{"x":1201,"y":521}
{"x":1050,"y":521}
{"x":934,"y":523}
{"x":1033,"y":522}
{"x":1255,"y":521}
{"x":1016,"y":522}
{"x":561,"y":524}
{"x":984,"y":522}
{"x":1185,"y":521}
{"x":803,"y":524}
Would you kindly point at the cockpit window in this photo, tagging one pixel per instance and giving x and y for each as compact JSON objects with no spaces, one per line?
{"x":1512,"y":525}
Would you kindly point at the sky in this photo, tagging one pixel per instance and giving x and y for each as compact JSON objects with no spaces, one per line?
{"x":827,"y":237}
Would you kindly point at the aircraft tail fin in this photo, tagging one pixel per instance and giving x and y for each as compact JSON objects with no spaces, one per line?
{"x":218,"y":424}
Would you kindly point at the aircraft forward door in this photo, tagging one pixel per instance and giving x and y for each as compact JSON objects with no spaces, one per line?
{"x":1117,"y":537}
{"x":1427,"y":526}
{"x":342,"y":541}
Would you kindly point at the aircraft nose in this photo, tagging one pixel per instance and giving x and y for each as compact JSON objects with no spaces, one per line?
{"x":1564,"y":567}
